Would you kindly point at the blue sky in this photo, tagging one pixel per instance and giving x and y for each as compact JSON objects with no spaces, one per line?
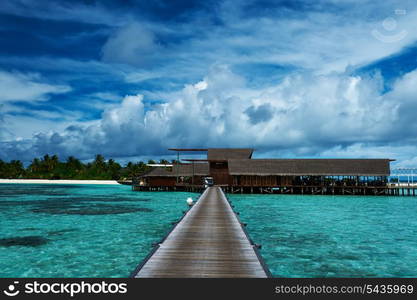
{"x":129,"y":79}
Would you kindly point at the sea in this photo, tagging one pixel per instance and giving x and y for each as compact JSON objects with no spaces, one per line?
{"x":49,"y":230}
{"x":107,"y":230}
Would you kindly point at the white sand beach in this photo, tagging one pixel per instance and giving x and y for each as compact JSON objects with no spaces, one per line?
{"x":46,"y":181}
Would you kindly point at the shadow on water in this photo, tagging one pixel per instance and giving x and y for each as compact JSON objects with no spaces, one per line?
{"x":29,"y":241}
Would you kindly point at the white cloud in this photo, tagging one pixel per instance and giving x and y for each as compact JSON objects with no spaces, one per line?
{"x":19,"y":125}
{"x":306,"y":115}
{"x":317,"y":110}
{"x":87,"y":13}
{"x":324,"y":35}
{"x":131,"y":44}
{"x":404,"y":155}
{"x":26,"y":87}
{"x":324,"y":42}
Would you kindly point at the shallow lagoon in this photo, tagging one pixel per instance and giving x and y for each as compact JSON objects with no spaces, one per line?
{"x":333,"y":236}
{"x":81,"y":230}
{"x":106,"y":230}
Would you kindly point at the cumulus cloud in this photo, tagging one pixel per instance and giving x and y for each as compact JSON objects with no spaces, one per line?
{"x":131,"y":44}
{"x":304,"y":115}
{"x":19,"y":87}
{"x":26,"y":87}
{"x":315,"y":108}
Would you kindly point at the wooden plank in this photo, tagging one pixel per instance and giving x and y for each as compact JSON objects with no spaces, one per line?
{"x":208,"y":242}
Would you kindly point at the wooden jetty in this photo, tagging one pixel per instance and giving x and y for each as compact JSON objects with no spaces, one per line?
{"x":208,"y":242}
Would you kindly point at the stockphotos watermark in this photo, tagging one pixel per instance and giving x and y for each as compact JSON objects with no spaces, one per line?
{"x":70,"y":289}
{"x":391,"y":33}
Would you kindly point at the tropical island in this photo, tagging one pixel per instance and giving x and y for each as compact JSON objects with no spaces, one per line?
{"x":52,"y":168}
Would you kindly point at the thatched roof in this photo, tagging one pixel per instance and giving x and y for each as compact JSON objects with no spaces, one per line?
{"x":229,"y":153}
{"x":297,"y":167}
{"x":200,"y":169}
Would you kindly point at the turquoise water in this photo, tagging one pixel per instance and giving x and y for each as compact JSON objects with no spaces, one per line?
{"x":105,"y":231}
{"x":333,"y":236}
{"x":81,"y":230}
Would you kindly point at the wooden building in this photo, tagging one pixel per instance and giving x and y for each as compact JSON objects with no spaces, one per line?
{"x":235,"y":170}
{"x":287,"y":172}
{"x":218,"y":160}
{"x":177,"y":175}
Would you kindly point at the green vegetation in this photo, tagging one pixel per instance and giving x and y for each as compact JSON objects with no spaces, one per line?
{"x":50,"y":167}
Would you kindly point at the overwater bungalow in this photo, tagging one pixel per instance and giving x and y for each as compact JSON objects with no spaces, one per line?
{"x":236,"y":171}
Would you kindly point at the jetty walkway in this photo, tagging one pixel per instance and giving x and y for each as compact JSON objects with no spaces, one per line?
{"x":209,"y":241}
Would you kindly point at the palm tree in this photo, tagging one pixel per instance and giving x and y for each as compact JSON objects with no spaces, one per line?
{"x":114,"y":169}
{"x":17,"y":168}
{"x":73,"y":166}
{"x":35,"y":166}
{"x":99,"y":161}
{"x":54,"y":160}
